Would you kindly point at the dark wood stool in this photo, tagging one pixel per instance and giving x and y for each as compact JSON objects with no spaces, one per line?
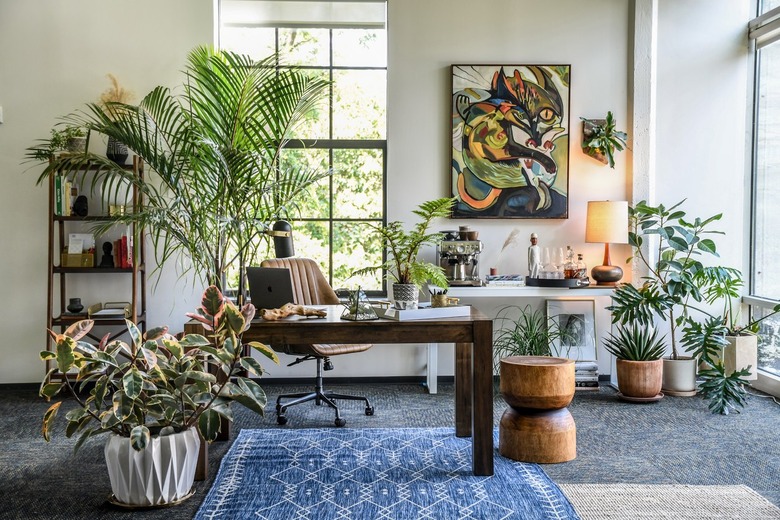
{"x":537,"y":426}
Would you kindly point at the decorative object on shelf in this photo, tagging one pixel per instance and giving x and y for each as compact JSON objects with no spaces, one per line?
{"x":510,"y":141}
{"x":534,"y":257}
{"x":81,"y":206}
{"x":291,"y":309}
{"x":72,"y":139}
{"x":149,"y":379}
{"x":107,"y":260}
{"x":403,"y":247}
{"x":357,"y":308}
{"x":242,"y":173}
{"x":600,"y":139}
{"x":576,"y":322}
{"x":75,"y":306}
{"x":607,"y":222}
{"x":639,"y":352}
{"x":112,"y":97}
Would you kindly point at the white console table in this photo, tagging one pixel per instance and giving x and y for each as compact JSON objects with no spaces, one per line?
{"x":481,"y":297}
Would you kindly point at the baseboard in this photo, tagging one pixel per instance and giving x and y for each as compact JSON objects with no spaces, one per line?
{"x":388,"y":380}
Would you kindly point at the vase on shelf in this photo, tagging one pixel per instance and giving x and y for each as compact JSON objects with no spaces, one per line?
{"x":116,"y":151}
{"x":75,"y":306}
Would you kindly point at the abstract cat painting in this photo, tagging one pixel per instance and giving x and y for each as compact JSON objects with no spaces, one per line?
{"x":510,"y":141}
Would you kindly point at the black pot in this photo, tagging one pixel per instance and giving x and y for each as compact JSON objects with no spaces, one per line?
{"x":75,"y":306}
{"x":116,"y":151}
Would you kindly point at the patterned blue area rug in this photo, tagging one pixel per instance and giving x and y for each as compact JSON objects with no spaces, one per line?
{"x":392,"y":474}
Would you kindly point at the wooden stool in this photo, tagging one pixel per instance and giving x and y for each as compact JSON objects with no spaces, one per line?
{"x":537,"y":426}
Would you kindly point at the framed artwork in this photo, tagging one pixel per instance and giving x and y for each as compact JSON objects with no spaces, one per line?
{"x":577,"y":322}
{"x":510,"y":141}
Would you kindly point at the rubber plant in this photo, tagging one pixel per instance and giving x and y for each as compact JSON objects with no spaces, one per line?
{"x":215,"y":149}
{"x":156,"y":384}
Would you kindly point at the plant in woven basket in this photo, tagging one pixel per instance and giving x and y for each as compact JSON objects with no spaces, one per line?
{"x":635,"y":343}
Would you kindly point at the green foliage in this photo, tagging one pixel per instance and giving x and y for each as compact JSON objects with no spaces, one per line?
{"x":214,"y":147}
{"x":403,"y":247}
{"x":725,"y":393}
{"x":606,"y":139}
{"x":57,"y":142}
{"x":705,"y":340}
{"x":530,"y":334}
{"x":635,"y":342}
{"x":158,"y":384}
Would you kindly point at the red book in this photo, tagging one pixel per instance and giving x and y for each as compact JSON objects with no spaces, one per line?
{"x":123,"y":253}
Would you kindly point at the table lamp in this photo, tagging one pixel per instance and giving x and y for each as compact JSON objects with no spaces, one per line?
{"x":607,"y":222}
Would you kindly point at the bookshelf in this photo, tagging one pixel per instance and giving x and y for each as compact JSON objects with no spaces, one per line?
{"x":61,"y":278}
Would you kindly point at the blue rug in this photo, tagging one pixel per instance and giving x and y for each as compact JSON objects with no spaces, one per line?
{"x":392,"y":474}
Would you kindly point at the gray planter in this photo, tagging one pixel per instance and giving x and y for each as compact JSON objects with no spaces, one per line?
{"x":405,"y":296}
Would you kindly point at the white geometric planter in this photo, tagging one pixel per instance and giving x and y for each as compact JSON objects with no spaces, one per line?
{"x":161,"y":473}
{"x":741,"y":352}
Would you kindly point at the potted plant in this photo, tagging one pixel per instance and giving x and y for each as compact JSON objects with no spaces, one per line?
{"x":155,"y":397}
{"x":403,"y":266}
{"x":115,"y":95}
{"x":528,"y":334}
{"x":71,"y":139}
{"x":671,"y":285}
{"x":600,"y":139}
{"x":639,"y":352}
{"x":215,"y":150}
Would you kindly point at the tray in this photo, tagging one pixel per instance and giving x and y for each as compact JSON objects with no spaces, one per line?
{"x":543,"y":282}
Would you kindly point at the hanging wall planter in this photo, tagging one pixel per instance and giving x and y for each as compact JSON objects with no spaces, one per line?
{"x":600,"y":139}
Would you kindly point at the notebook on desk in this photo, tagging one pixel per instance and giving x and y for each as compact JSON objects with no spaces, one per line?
{"x":269,"y":287}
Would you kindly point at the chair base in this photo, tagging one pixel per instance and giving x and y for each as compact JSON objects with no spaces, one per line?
{"x":319,"y":396}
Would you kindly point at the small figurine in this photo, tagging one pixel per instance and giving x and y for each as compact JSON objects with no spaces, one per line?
{"x":108,"y":258}
{"x":534,"y":257}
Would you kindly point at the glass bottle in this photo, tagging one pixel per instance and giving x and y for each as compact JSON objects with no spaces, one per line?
{"x":570,"y":267}
{"x":582,"y":269}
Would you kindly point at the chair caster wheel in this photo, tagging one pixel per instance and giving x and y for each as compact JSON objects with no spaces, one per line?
{"x":281,"y":419}
{"x":369,"y":410}
{"x":341,"y":422}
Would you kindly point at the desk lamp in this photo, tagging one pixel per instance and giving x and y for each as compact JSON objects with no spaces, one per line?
{"x":607,"y":222}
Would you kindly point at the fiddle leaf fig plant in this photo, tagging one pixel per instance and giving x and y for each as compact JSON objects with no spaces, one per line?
{"x":403,"y":247}
{"x":156,"y":384}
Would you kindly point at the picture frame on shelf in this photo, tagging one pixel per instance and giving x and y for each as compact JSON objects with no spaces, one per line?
{"x":578,"y":319}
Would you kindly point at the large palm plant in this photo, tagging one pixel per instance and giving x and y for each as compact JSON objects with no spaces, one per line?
{"x":215,"y":148}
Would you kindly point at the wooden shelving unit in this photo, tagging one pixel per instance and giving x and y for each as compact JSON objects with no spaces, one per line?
{"x":57,"y":319}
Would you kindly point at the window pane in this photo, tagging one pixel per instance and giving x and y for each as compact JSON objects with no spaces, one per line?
{"x":316,"y":203}
{"x":766,"y":276}
{"x":355,"y":245}
{"x":311,"y":240}
{"x":357,"y":183}
{"x":316,"y":124}
{"x":768,"y":5}
{"x":257,"y":42}
{"x":304,"y":46}
{"x":768,"y":342}
{"x":359,"y":100}
{"x":360,"y":48}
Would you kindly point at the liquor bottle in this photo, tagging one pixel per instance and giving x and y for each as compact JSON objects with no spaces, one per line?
{"x":582,"y":269}
{"x":570,"y":266}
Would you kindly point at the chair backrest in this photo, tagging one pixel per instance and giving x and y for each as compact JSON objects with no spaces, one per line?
{"x":309,"y":284}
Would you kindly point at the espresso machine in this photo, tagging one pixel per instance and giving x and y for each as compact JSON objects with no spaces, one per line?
{"x":460,"y":260}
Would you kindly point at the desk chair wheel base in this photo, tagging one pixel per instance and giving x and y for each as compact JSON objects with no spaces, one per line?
{"x":281,"y":420}
{"x":340,"y":422}
{"x":369,"y":410}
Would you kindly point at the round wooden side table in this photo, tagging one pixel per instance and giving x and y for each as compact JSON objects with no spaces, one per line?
{"x":537,"y":426}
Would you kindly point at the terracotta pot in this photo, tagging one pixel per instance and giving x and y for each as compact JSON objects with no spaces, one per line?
{"x":640,"y":378}
{"x":537,"y":382}
{"x":679,"y":376}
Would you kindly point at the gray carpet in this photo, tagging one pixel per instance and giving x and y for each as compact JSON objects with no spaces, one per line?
{"x":674,"y":441}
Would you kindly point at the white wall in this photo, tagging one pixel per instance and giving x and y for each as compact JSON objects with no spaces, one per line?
{"x":69,"y":47}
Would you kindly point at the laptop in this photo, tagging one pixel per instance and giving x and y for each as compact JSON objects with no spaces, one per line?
{"x":269,"y":287}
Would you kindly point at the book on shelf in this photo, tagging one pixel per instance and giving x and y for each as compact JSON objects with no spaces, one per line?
{"x":581,"y":379}
{"x":506,"y":280}
{"x":58,"y":195}
{"x":586,"y":384}
{"x":586,"y":365}
{"x":586,"y":388}
{"x":424,"y":312}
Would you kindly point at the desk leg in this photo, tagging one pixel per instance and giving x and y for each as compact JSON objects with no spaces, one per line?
{"x":463,"y":389}
{"x":482,"y":426}
{"x":432,"y":370}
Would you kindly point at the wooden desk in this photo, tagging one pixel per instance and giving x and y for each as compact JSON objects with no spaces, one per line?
{"x":473,"y":338}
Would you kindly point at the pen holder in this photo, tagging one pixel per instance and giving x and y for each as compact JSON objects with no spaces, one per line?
{"x":442,"y":300}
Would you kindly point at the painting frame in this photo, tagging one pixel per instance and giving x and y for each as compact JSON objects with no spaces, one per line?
{"x":565,"y":314}
{"x":510,"y":141}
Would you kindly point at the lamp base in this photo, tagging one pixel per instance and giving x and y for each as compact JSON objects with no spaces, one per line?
{"x":606,"y":274}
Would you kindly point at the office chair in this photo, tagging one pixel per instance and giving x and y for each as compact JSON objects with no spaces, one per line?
{"x":311,"y":288}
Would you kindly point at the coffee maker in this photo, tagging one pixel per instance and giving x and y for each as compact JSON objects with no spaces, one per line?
{"x":460,"y":259}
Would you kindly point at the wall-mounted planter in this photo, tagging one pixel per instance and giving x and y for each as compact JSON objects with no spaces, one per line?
{"x":600,"y":139}
{"x":589,"y":129}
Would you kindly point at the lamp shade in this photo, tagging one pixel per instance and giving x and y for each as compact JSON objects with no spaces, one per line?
{"x":607,"y":222}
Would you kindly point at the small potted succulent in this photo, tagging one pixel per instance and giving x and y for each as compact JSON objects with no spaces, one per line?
{"x":403,"y":267}
{"x":71,"y":139}
{"x":155,"y":397}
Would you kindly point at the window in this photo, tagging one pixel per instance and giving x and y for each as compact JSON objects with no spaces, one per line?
{"x":765,"y":275}
{"x":346,"y":42}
